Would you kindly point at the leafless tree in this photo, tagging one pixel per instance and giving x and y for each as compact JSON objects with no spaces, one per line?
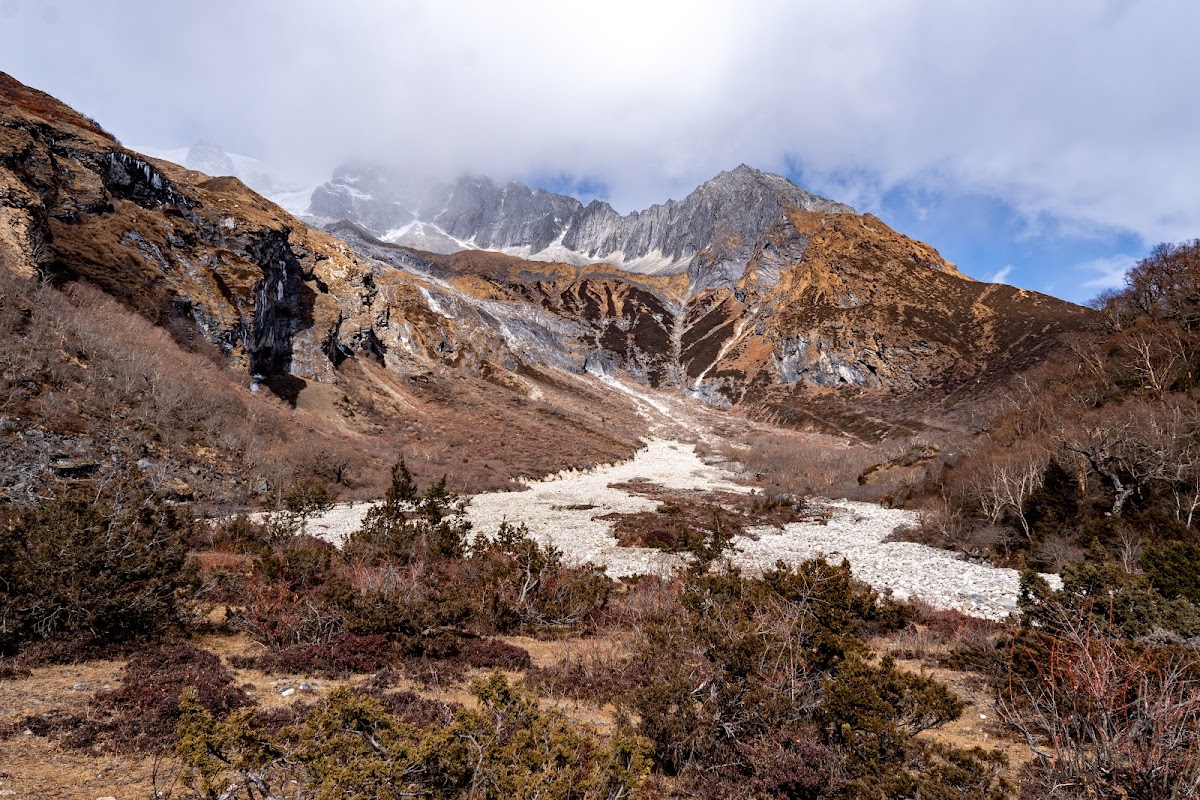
{"x":1001,"y":486}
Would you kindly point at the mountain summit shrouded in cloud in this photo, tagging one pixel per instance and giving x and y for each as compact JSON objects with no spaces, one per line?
{"x":1068,"y":120}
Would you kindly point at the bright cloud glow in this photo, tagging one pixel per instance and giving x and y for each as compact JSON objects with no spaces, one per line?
{"x":1001,"y":275}
{"x":1106,"y":273}
{"x":1078,"y":115}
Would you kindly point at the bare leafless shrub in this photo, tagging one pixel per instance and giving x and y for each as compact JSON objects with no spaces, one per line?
{"x":1105,"y":717}
{"x":937,"y":634}
{"x":1057,"y":551}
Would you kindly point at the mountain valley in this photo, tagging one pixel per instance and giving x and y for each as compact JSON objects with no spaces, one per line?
{"x":770,"y":302}
{"x":457,"y":488}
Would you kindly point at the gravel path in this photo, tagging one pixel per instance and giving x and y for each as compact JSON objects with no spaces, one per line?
{"x":562,"y":510}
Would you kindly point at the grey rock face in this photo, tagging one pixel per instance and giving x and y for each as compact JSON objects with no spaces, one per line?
{"x":823,"y":363}
{"x":209,"y":158}
{"x":710,"y":234}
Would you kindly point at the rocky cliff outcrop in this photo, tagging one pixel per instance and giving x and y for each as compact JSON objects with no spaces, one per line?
{"x":356,"y":345}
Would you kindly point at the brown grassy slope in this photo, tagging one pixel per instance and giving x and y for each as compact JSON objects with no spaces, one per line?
{"x":876,"y":283}
{"x":918,"y":336}
{"x":46,"y":108}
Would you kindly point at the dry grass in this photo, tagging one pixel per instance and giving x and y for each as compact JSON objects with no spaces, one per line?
{"x":980,"y":724}
{"x":35,"y":767}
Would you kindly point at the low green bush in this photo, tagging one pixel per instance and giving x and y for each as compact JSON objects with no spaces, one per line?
{"x":351,"y":746}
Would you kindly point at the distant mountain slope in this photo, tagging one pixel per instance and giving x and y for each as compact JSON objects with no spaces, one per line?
{"x":488,"y":356}
{"x":710,"y":234}
{"x":827,"y":301}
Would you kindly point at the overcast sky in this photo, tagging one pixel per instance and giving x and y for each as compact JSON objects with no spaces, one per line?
{"x":1045,"y":144}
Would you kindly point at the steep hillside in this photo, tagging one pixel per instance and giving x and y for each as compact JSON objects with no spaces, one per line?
{"x":359,"y":351}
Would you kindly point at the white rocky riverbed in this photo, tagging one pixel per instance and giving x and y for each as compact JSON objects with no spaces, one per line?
{"x":563,"y":510}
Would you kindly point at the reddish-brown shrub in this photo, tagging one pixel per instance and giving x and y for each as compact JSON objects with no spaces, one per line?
{"x":142,"y":713}
{"x":494,"y":654}
{"x":1103,"y":716}
{"x":144,"y":709}
{"x":415,"y":710}
{"x":342,"y":655}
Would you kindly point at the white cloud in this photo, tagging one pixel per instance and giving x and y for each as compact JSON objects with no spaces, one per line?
{"x":1001,"y":275}
{"x":1106,"y":273}
{"x":1079,"y":109}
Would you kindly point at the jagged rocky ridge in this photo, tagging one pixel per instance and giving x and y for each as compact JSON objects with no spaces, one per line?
{"x":827,"y":301}
{"x":710,"y":234}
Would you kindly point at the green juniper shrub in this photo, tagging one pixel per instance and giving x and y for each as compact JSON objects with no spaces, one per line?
{"x":1173,"y":568}
{"x":352,"y":746}
{"x":1054,"y":504}
{"x":874,"y":711}
{"x":744,"y":674}
{"x":300,"y":562}
{"x":101,"y":560}
{"x":1126,"y":602}
{"x":308,"y":497}
{"x":408,"y":526}
{"x":238,"y":534}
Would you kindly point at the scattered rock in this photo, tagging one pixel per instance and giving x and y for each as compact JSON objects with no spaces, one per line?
{"x":566,"y":511}
{"x":179,"y":490}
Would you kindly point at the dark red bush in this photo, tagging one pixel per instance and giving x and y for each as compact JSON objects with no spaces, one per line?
{"x":144,"y":710}
{"x":345,"y":654}
{"x":494,"y":654}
